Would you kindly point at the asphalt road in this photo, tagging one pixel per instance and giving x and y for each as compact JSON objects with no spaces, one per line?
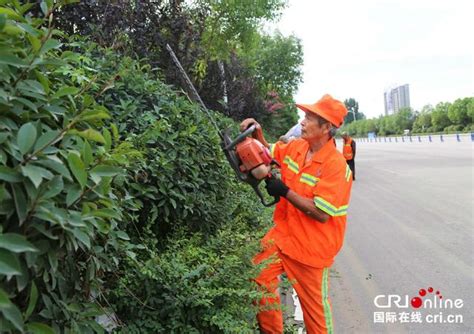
{"x":410,"y":227}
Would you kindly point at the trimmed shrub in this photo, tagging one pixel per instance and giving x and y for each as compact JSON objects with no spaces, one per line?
{"x":58,"y":212}
{"x":114,"y":195}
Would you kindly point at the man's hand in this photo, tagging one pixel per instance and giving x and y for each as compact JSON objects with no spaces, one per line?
{"x":276,"y":187}
{"x":258,"y":133}
{"x":248,"y":122}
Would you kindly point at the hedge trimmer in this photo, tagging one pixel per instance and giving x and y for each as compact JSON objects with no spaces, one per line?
{"x":250,"y":159}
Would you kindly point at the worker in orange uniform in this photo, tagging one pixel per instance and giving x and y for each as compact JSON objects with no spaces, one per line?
{"x":310,"y":219}
{"x":349,"y":152}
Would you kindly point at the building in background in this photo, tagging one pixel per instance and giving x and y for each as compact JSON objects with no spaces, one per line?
{"x":396,"y":98}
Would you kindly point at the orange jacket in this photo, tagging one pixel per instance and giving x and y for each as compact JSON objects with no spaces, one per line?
{"x":327,"y":180}
{"x":347,"y":149}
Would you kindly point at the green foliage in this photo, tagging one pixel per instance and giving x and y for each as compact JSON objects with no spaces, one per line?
{"x":197,"y":228}
{"x":461,"y":111}
{"x":403,"y":120}
{"x":453,"y":128}
{"x":174,"y":183}
{"x":232,"y":25}
{"x":470,"y":111}
{"x":114,"y":193}
{"x":197,"y":285}
{"x":276,"y":62}
{"x":444,"y":117}
{"x":59,"y":214}
{"x":353,"y":111}
{"x":218,"y":44}
{"x":422,"y":122}
{"x":439,"y":116}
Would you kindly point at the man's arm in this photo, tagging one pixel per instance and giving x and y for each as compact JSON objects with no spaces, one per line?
{"x":353,"y":146}
{"x":307,"y":206}
{"x":276,"y":187}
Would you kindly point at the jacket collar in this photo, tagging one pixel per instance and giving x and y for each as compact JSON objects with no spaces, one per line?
{"x":322,"y":153}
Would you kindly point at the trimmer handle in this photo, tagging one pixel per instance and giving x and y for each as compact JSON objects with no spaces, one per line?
{"x":241,"y":137}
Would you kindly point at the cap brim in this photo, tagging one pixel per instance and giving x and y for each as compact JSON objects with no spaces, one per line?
{"x":304,"y":107}
{"x":312,"y":109}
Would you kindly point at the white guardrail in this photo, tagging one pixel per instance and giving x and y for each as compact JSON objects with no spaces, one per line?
{"x":458,"y":137}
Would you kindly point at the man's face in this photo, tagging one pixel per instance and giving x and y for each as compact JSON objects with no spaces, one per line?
{"x":311,"y":130}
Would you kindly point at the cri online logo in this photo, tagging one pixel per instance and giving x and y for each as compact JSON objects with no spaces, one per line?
{"x":417,"y":302}
{"x":426,"y":298}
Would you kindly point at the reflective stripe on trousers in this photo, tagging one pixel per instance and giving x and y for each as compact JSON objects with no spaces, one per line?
{"x":311,"y":285}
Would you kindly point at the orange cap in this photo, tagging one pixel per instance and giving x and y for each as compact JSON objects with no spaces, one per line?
{"x":328,"y":108}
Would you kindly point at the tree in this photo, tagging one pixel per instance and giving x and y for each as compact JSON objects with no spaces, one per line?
{"x":371,"y":125}
{"x":403,"y":120}
{"x":387,"y":125}
{"x":201,"y":33}
{"x":276,"y":65}
{"x":428,"y":119}
{"x":458,"y":112}
{"x":353,"y":111}
{"x":470,"y":113}
{"x":276,"y":62}
{"x":422,"y":122}
{"x":439,"y":116}
{"x":231,"y":25}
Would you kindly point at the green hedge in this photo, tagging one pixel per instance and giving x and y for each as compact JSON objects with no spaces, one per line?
{"x":114,"y":195}
{"x":199,"y":226}
{"x":58,"y":211}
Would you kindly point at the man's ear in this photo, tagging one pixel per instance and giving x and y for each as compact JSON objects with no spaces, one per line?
{"x":329,"y":129}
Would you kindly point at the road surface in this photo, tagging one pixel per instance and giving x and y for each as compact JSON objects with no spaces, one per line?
{"x":410,"y":227}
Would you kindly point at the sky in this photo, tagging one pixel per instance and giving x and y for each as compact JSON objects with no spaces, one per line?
{"x":359,"y":48}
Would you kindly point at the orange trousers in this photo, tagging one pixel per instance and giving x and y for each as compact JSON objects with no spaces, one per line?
{"x":311,"y":285}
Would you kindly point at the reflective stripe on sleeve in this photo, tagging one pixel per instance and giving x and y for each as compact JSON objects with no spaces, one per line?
{"x":329,"y":208}
{"x":309,"y":179}
{"x":348,"y":173}
{"x":292,"y":165}
{"x":272,"y":150}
